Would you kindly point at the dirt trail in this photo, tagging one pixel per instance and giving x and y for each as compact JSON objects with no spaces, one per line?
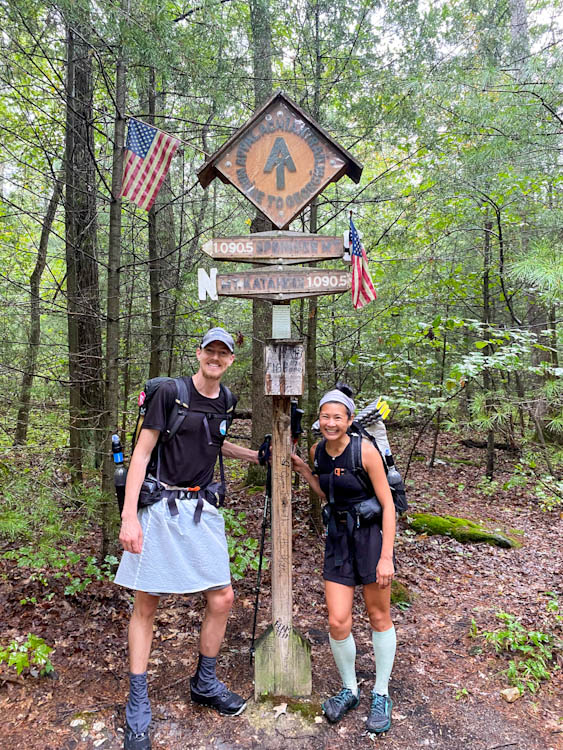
{"x":445,"y":685}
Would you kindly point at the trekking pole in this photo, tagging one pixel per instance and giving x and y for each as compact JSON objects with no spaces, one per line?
{"x":264,"y":458}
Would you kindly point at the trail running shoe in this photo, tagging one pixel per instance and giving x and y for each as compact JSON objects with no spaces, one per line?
{"x":226,"y":702}
{"x":379,"y":719}
{"x":136,"y":740}
{"x":334,"y":708}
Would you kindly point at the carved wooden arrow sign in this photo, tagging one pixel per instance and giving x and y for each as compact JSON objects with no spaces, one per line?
{"x":279,"y":283}
{"x":280,"y":160}
{"x":275,"y":247}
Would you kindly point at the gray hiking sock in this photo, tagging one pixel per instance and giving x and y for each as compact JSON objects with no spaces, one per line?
{"x":205,"y":680}
{"x":138,"y":708}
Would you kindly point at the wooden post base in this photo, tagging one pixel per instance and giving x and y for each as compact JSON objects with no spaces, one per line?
{"x":282,"y":663}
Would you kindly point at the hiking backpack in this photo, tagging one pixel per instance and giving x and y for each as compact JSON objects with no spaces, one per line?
{"x":379,"y":440}
{"x":180,"y":409}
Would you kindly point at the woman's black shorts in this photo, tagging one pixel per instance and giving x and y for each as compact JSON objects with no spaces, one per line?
{"x":360,"y":551}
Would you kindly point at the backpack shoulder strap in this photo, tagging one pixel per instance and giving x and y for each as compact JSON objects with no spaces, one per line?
{"x":320,"y":444}
{"x":230,"y":400}
{"x":179,"y":410}
{"x":358,"y":468}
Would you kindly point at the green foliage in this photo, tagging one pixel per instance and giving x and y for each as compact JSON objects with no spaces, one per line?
{"x":28,"y":654}
{"x":243,"y":550}
{"x":532,"y":650}
{"x":39,"y":507}
{"x":49,"y":565}
{"x":92,"y":572}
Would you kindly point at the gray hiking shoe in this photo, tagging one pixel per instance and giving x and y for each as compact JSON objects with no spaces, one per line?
{"x":334,"y":708}
{"x":379,"y":719}
{"x":226,"y":702}
{"x":136,"y":740}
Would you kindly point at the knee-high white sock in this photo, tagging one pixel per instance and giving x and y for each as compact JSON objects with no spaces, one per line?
{"x":344,"y":653}
{"x":384,"y":646}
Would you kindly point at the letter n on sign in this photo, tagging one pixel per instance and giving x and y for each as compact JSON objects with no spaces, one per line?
{"x":284,"y":366}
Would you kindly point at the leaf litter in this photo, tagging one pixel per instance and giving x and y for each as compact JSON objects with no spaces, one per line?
{"x":446,"y":687}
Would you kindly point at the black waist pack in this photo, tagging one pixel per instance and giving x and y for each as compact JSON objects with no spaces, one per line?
{"x":366,"y":512}
{"x":151,"y":492}
{"x":369,"y":511}
{"x":215,"y":493}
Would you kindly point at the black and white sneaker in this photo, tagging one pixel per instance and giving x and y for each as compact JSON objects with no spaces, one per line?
{"x":334,"y":708}
{"x":379,"y":719}
{"x":136,"y":740}
{"x":226,"y":702}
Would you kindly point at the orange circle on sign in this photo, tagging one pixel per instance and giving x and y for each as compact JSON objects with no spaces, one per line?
{"x":293,"y":149}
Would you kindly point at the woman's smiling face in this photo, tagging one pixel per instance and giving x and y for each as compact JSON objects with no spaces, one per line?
{"x":334,"y":420}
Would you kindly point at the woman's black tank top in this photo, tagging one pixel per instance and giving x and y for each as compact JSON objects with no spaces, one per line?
{"x":347,"y":487}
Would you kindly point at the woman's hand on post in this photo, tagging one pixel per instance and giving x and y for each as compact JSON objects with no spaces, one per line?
{"x":297,"y":463}
{"x":131,"y":535}
{"x":385,"y":572}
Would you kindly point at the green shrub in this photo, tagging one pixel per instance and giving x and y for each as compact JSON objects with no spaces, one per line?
{"x":33,"y":652}
{"x":243,"y":550}
{"x":532,"y":650}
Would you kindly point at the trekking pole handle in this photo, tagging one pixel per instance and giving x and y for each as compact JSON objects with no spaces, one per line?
{"x":264,"y":451}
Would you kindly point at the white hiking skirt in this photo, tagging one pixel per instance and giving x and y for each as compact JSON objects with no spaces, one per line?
{"x":178,"y":555}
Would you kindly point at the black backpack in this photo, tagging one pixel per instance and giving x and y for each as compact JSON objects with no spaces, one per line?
{"x":181,"y":407}
{"x":357,"y":432}
{"x":152,"y":489}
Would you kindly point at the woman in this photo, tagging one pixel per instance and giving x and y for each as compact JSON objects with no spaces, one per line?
{"x":357,"y":552}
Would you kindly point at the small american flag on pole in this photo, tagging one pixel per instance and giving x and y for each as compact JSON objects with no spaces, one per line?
{"x":148,"y":153}
{"x":362,"y":285}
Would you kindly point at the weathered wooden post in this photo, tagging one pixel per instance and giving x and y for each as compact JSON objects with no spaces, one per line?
{"x":283,"y":656}
{"x":280,"y":160}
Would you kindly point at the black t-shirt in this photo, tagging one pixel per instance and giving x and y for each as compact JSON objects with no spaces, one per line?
{"x":347,"y":487}
{"x":187,"y":460}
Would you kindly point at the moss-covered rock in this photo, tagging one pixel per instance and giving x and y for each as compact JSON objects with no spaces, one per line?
{"x":400,"y":593}
{"x":461,"y":529}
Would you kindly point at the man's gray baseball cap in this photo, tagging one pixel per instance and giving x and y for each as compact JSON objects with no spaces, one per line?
{"x":218,"y":334}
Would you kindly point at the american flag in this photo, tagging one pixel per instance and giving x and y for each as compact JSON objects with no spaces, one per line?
{"x":148,"y":153}
{"x":362,"y":285}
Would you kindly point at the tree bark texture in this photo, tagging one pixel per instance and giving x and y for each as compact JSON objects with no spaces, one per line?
{"x":83,"y":298}
{"x":111,"y":421}
{"x":487,"y":380}
{"x":22,"y":420}
{"x":154,"y":260}
{"x":261,"y":33}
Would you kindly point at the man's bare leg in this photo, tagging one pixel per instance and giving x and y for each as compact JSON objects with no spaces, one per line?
{"x":219,"y":605}
{"x":141,"y":631}
{"x":205,"y":687}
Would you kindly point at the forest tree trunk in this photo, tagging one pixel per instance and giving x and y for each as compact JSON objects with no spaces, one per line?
{"x":487,"y":380}
{"x":111,"y":422}
{"x":83,"y":298}
{"x":261,"y":32}
{"x":22,"y":420}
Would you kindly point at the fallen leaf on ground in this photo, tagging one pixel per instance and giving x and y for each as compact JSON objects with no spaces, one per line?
{"x":281,"y":709}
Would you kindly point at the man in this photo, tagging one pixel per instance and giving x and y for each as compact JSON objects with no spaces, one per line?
{"x":178,"y":544}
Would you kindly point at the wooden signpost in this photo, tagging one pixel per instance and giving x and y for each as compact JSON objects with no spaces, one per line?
{"x":280,"y":283}
{"x":274,"y":247}
{"x":280,"y":160}
{"x":283,"y":656}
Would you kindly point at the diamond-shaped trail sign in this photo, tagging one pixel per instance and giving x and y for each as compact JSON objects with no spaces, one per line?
{"x":280,"y":160}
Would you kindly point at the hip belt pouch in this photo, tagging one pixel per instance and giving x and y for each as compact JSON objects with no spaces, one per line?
{"x":151,"y":492}
{"x":214,"y":493}
{"x":369,"y":511}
